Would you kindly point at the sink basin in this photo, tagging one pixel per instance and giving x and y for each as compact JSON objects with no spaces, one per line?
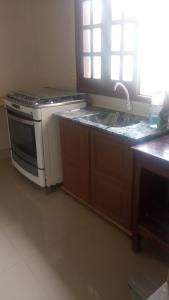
{"x":113,"y":119}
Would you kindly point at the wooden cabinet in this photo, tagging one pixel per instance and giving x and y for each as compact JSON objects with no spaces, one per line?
{"x":151,"y":193}
{"x":76,"y":158}
{"x":97,"y":168}
{"x":112,"y":177}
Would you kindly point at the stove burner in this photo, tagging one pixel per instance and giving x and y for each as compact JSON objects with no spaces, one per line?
{"x":44,"y":96}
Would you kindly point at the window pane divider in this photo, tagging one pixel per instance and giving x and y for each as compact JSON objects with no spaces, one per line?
{"x":92,"y":26}
{"x":92,"y":54}
{"x":123,"y":52}
{"x":105,"y":84}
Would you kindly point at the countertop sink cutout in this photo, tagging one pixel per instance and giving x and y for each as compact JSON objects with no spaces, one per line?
{"x":113,"y":119}
{"x":124,"y":124}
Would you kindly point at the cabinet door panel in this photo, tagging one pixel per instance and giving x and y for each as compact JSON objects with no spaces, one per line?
{"x":75,"y":142}
{"x":111,"y":198}
{"x":112,"y":177}
{"x":75,"y":158}
{"x":111,"y":157}
{"x":76,"y":180}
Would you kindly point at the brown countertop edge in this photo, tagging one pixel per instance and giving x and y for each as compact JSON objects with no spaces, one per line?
{"x":158,"y":148}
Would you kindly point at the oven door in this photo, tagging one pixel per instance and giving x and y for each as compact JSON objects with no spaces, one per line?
{"x":26,"y":142}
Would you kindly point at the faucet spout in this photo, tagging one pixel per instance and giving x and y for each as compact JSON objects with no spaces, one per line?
{"x":120,"y":84}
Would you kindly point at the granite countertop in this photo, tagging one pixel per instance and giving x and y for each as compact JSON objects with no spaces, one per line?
{"x":138,"y":132}
{"x":158,"y":148}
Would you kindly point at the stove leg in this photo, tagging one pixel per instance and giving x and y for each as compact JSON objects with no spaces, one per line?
{"x":48,"y":190}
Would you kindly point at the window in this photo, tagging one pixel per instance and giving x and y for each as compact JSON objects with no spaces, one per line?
{"x":122,"y":40}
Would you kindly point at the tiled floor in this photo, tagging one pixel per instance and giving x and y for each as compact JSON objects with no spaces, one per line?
{"x":53,"y":248}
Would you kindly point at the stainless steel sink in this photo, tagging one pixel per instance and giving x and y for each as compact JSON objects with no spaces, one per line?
{"x":113,"y":119}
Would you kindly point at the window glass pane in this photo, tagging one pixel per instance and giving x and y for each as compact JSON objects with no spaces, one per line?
{"x":127,"y":67}
{"x":130,"y":8}
{"x":117,"y":8}
{"x":86,"y":12}
{"x":97,"y":40}
{"x":129,"y":36}
{"x":86,"y":40}
{"x":87,"y":66}
{"x":115,"y":67}
{"x":154,"y":47}
{"x":97,"y":11}
{"x":116,"y":38}
{"x":97,"y":67}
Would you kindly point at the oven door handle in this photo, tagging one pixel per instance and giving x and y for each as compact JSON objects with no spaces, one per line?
{"x":20,"y":120}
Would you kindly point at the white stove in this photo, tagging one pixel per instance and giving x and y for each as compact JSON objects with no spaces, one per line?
{"x":34,"y":131}
{"x":44,"y":97}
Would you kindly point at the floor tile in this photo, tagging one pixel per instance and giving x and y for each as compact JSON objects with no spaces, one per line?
{"x":8,"y":254}
{"x":18,"y":283}
{"x":53,"y":248}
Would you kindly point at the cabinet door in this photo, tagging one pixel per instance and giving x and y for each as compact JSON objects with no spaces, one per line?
{"x":112,"y":177}
{"x":76,"y":158}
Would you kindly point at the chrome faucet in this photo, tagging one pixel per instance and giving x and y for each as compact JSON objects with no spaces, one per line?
{"x":119,"y":84}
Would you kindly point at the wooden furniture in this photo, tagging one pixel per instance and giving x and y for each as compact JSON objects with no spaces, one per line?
{"x":76,"y":158}
{"x":97,"y":169}
{"x":151,"y":193}
{"x":111,"y":169}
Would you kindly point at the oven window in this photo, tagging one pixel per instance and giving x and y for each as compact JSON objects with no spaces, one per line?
{"x":23,"y":139}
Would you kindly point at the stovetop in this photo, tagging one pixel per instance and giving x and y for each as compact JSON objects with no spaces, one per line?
{"x":44,"y":96}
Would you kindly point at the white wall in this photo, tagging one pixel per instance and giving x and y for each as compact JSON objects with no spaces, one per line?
{"x":53,"y":22}
{"x":37,"y":45}
{"x":17,"y":50}
{"x":37,"y":48}
{"x":17,"y":53}
{"x":55,"y":44}
{"x":138,"y":108}
{"x":17,"y":68}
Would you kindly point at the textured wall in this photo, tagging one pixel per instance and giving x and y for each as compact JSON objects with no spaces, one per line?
{"x":17,"y":49}
{"x":54,"y":36}
{"x":37,"y":47}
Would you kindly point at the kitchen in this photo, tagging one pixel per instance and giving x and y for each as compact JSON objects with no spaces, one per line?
{"x":85,"y":256}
